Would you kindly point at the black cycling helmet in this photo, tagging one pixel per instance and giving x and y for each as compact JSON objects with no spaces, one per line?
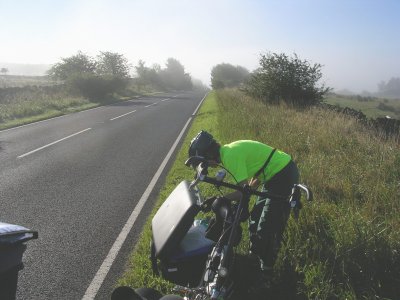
{"x":200,"y":145}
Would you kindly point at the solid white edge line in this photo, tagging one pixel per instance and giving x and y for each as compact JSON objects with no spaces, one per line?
{"x":101,"y":274}
{"x":48,"y":145}
{"x":122,"y":115}
{"x":198,"y":106}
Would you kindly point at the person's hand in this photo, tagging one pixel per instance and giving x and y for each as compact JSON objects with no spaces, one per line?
{"x":254,"y":182}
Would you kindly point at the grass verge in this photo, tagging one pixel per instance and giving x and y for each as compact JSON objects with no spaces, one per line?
{"x":346,"y":244}
{"x":46,"y":113}
{"x":139,"y":273}
{"x":25,"y":112}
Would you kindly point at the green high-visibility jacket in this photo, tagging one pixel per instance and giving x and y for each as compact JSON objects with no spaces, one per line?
{"x":244,"y":158}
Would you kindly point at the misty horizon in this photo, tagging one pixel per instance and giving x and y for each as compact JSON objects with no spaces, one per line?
{"x":16,"y":69}
{"x":353,"y":41}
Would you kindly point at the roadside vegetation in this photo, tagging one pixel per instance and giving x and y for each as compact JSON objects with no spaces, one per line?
{"x":345,"y":245}
{"x":81,"y":82}
{"x":288,"y":79}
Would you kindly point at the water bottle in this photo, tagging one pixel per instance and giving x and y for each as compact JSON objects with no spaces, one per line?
{"x":220,"y":175}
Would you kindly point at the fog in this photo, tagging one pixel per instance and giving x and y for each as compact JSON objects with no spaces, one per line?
{"x":355,"y":42}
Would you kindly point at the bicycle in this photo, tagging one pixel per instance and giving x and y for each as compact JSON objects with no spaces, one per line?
{"x":173,"y":223}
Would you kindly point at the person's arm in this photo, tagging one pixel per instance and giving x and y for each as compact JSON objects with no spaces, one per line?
{"x":253,"y":183}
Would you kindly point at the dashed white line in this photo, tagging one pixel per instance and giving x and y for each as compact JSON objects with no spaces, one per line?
{"x":48,"y":145}
{"x":151,"y":105}
{"x":165,"y":99}
{"x":122,"y":115}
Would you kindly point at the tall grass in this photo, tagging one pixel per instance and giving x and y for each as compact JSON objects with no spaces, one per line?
{"x":22,"y":105}
{"x":28,"y":102}
{"x":345,"y":244}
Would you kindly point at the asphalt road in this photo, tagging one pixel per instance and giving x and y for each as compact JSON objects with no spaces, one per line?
{"x":76,"y":179}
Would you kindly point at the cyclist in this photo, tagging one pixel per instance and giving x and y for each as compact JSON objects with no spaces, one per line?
{"x":254,"y":163}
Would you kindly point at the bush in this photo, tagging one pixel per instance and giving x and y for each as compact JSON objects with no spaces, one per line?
{"x":288,"y":79}
{"x":96,"y":87}
{"x":386,"y":107}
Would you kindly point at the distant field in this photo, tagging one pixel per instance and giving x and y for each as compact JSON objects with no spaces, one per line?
{"x":371,"y":107}
{"x":21,"y":81}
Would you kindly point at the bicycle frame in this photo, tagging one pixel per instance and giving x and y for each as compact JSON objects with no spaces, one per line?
{"x":216,"y":282}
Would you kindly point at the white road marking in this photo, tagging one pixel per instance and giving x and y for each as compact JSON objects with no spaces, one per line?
{"x":48,"y":145}
{"x":101,"y":274}
{"x":198,"y":106}
{"x":122,"y":115}
{"x":165,"y":99}
{"x":151,"y":105}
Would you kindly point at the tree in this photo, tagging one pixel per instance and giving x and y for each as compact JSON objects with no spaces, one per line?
{"x":391,"y":88}
{"x":4,"y":71}
{"x":227,"y":75}
{"x":93,"y":79}
{"x":198,"y":85}
{"x":288,"y":79}
{"x":174,"y":76}
{"x":111,"y":63}
{"x":79,"y":64}
{"x":141,"y":69}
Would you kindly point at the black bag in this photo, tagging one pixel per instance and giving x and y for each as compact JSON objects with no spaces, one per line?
{"x":185,"y":264}
{"x":178,"y":242}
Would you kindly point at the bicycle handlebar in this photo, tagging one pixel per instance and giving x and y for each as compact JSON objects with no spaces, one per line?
{"x":201,"y":175}
{"x":201,"y":165}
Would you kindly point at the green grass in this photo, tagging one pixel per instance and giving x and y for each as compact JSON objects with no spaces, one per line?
{"x":139,"y":273}
{"x":28,"y":104}
{"x":39,"y":114}
{"x":16,"y":114}
{"x":346,"y":243}
{"x":375,"y":107}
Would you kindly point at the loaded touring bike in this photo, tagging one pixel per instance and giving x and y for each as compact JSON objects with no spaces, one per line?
{"x":196,"y":255}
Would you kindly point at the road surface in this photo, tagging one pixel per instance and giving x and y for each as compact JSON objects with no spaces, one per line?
{"x":76,"y":179}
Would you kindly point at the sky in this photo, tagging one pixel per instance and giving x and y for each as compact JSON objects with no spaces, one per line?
{"x":356,"y":41}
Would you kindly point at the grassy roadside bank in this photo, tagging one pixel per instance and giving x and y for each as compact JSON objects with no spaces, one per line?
{"x":139,"y":273}
{"x":21,"y":113}
{"x":44,"y":113}
{"x":346,"y":244}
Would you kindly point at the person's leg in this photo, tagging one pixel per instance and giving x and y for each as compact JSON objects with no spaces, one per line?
{"x":274,"y":215}
{"x":253,"y":225}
